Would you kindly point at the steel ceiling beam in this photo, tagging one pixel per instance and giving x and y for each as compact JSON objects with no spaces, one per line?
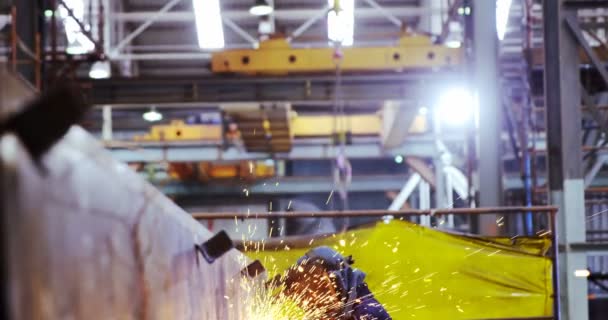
{"x":386,"y":13}
{"x":215,"y":89}
{"x":320,"y":14}
{"x":240,"y":31}
{"x":150,"y":19}
{"x":360,"y":149}
{"x":280,"y":14}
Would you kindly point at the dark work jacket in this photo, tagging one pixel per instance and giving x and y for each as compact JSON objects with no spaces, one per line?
{"x":369,"y":308}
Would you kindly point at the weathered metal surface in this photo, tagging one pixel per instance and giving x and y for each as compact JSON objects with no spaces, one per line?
{"x":88,"y":239}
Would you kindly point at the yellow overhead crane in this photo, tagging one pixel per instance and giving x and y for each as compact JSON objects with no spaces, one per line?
{"x":299,"y":126}
{"x":276,"y":56}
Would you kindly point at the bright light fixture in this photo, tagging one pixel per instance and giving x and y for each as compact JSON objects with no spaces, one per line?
{"x":503,"y":7}
{"x":209,"y":27}
{"x":341,"y":22}
{"x":455,"y":106}
{"x":582,"y":273}
{"x":48,"y":13}
{"x":261,"y":8}
{"x":100,"y":70}
{"x":423,"y":111}
{"x":453,"y":44}
{"x":152,"y":115}
{"x":78,"y":43}
{"x":399,"y":159}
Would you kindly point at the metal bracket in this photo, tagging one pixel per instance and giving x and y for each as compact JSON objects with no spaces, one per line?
{"x":253,"y":270}
{"x":214,"y":248}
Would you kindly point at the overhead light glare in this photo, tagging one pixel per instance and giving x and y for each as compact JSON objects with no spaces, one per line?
{"x":503,"y":7}
{"x":209,"y":27}
{"x":78,"y":42}
{"x":341,"y":21}
{"x":261,"y":8}
{"x":399,"y":159}
{"x":455,"y":44}
{"x":100,"y":70}
{"x":152,"y":115}
{"x":582,"y":273}
{"x":455,"y":106}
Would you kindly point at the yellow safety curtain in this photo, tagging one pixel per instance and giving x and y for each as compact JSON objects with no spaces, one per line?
{"x":423,"y":273}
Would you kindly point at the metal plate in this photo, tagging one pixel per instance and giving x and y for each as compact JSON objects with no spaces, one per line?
{"x":89,"y":239}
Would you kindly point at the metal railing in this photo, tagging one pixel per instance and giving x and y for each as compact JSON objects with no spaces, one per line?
{"x":549,"y":211}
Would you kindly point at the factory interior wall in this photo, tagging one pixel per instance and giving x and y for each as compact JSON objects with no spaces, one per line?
{"x":423,"y":273}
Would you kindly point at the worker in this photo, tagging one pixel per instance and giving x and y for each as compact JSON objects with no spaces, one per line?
{"x":326,"y":283}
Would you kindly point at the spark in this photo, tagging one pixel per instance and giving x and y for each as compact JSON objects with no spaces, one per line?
{"x":545,"y":233}
{"x":474,"y":252}
{"x":329,"y":198}
{"x":493,"y":253}
{"x":500,"y":220}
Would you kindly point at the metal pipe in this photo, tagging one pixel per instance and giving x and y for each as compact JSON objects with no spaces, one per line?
{"x":53,"y":31}
{"x":372,"y":213}
{"x":162,"y":56}
{"x":312,"y":20}
{"x":107,"y":26}
{"x":555,"y":266}
{"x":14,"y":38}
{"x":38,"y":63}
{"x":280,"y":14}
{"x":385,"y":12}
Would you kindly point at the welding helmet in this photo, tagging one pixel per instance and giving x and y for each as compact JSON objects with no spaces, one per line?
{"x":340,"y":270}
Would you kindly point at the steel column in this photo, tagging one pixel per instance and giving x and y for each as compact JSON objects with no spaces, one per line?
{"x":490,"y":112}
{"x":106,"y":129}
{"x":564,"y":133}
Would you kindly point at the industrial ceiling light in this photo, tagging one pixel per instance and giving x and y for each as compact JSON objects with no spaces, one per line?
{"x":341,"y":21}
{"x":261,"y":8}
{"x":100,"y":70}
{"x":152,"y":115}
{"x":209,"y":27}
{"x":455,"y":106}
{"x":582,"y":273}
{"x":503,"y":7}
{"x":399,"y":159}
